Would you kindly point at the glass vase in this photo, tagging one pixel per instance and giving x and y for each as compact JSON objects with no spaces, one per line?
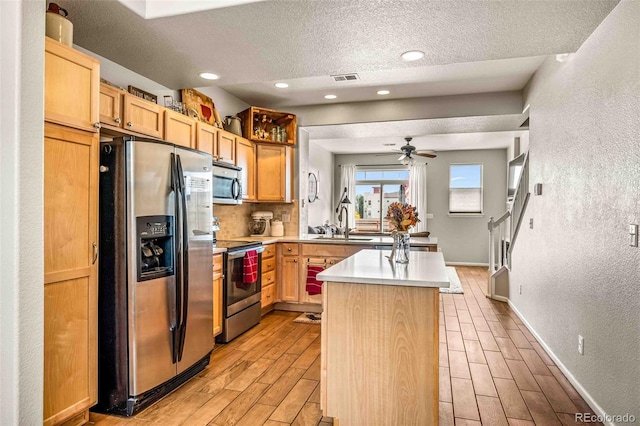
{"x":402,"y":243}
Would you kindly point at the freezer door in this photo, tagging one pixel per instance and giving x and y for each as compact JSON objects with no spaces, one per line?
{"x":198,"y":338}
{"x":151,"y":302}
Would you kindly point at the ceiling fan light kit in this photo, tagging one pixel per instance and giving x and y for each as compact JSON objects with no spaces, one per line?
{"x":409,"y":151}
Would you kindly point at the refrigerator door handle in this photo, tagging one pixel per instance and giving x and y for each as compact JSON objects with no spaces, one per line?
{"x":177,"y":307}
{"x":185,"y":256}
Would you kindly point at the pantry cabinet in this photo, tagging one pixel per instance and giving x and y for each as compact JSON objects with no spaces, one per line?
{"x":71,"y":160}
{"x":246,"y":159}
{"x":71,"y":93}
{"x":217,"y":294}
{"x":143,"y":117}
{"x":179,"y":129}
{"x":274,"y":178}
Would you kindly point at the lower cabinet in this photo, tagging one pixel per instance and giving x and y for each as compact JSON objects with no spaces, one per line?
{"x":217,"y":294}
{"x":269,"y":292}
{"x":70,"y":274}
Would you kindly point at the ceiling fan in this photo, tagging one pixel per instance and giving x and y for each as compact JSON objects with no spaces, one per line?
{"x":408,"y":151}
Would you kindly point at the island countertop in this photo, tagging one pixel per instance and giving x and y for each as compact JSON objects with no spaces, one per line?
{"x":425,"y":269}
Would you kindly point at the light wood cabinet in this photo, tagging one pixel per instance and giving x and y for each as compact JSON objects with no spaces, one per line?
{"x":274,"y":172}
{"x":111,"y":99}
{"x":217,"y":294}
{"x":71,"y":94}
{"x":226,"y":147}
{"x":269,"y":288}
{"x":258,"y":124}
{"x":70,"y":272}
{"x":179,"y":129}
{"x":288,"y":272}
{"x":246,"y":158}
{"x":143,"y":117}
{"x":207,"y":139}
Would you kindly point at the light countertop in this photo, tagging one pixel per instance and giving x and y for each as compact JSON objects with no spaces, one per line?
{"x":218,"y":250}
{"x":425,"y":269}
{"x":356,"y":240}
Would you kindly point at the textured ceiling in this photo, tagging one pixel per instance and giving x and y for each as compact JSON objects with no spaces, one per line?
{"x":471,"y":47}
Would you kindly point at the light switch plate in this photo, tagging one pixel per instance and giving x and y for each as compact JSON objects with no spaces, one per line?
{"x":633,"y":235}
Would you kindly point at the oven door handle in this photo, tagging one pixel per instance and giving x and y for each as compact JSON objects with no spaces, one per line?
{"x":241,"y":253}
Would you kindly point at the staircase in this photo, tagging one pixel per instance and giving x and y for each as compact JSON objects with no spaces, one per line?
{"x":502,"y":237}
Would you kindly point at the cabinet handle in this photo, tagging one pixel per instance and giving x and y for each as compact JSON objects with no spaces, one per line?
{"x":117,"y":120}
{"x":295,"y":260}
{"x":130,"y":124}
{"x":289,"y":249}
{"x":95,"y":253}
{"x":96,"y":124}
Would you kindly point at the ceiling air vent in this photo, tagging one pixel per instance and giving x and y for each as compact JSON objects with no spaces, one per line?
{"x":346,"y":77}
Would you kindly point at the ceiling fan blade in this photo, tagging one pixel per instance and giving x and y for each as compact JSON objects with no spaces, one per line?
{"x":426,"y":154}
{"x":402,"y":157}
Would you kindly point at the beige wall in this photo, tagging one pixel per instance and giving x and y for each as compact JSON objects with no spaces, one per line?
{"x":235,"y":219}
{"x":579,"y":276}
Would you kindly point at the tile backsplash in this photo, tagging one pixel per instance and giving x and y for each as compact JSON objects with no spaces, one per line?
{"x":235,"y":219}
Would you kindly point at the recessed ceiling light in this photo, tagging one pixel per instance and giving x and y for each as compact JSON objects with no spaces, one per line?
{"x":330,"y":96}
{"x":281,"y":85}
{"x":383,"y":92}
{"x":412,"y":55}
{"x":209,"y":76}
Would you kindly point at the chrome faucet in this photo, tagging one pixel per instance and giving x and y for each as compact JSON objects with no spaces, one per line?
{"x":344,"y":200}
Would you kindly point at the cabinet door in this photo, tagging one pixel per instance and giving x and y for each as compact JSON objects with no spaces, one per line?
{"x":143,"y":117}
{"x":179,"y":129}
{"x":70,"y":272}
{"x":305,"y":297}
{"x":110,"y":106}
{"x":246,"y":158}
{"x":217,"y":304}
{"x":226,"y":147}
{"x":72,"y":81}
{"x":206,"y":139}
{"x":289,"y":277}
{"x":273,"y":173}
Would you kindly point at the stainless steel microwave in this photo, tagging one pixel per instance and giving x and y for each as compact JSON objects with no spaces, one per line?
{"x":227,"y":183}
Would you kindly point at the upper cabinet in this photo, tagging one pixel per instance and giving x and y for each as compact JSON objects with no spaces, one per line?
{"x":111,"y":99}
{"x":267,"y":125}
{"x":246,"y":158}
{"x":207,"y":138}
{"x":226,"y":147}
{"x":274,"y":178}
{"x":179,"y":129}
{"x":143,"y":117}
{"x":71,"y":89}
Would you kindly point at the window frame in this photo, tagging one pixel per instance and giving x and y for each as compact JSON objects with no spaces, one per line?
{"x":380,"y":183}
{"x":467,"y":214}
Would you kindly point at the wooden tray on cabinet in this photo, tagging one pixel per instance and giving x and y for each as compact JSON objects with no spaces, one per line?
{"x":264,"y":119}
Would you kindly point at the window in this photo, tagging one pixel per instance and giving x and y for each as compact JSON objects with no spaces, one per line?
{"x":376,"y":188}
{"x":465,"y":189}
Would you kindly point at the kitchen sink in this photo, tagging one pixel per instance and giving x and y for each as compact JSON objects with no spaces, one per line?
{"x":341,"y":238}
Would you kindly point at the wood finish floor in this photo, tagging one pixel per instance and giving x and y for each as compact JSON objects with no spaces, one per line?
{"x":492,"y":372}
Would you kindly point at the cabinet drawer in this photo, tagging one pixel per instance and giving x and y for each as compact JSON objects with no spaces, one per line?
{"x":268,"y":295}
{"x":331,"y":250}
{"x":268,"y":265}
{"x":268,"y":278}
{"x":217,"y":263}
{"x":289,"y":249}
{"x":269,"y":251}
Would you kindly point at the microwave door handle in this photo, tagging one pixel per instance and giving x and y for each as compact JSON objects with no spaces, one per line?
{"x":185,"y":257}
{"x":235,"y":189}
{"x":175,"y":327}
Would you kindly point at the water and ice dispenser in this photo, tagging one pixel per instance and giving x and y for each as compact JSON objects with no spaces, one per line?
{"x":156,"y":246}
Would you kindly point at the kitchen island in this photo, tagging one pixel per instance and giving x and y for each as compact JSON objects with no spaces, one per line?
{"x":379,"y":356}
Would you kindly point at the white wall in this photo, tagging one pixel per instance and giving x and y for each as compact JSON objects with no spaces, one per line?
{"x":321,"y":163}
{"x":21,"y":212}
{"x":462,"y":239}
{"x":225,"y":102}
{"x":578,"y":273}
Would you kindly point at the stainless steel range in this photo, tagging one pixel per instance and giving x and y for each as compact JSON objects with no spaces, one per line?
{"x":241,"y":307}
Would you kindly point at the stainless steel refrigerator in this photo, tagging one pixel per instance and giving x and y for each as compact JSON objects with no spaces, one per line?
{"x":155,"y":326}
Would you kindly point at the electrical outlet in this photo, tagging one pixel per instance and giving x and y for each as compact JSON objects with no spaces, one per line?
{"x":580,"y":345}
{"x":531,"y":223}
{"x":286,"y":217}
{"x":520,"y":288}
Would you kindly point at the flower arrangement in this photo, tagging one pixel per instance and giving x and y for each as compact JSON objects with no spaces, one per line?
{"x":402,"y":217}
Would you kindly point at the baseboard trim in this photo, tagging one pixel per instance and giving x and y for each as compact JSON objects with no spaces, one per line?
{"x":574,"y":382}
{"x":466,"y":264}
{"x":503,"y":299}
